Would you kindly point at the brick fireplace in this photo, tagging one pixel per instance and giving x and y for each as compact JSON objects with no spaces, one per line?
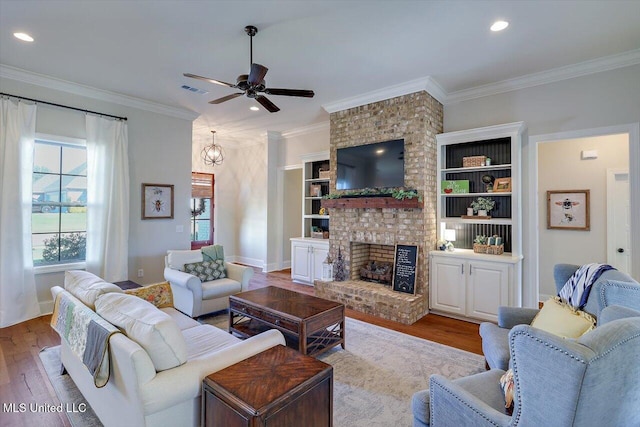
{"x":372,"y":233}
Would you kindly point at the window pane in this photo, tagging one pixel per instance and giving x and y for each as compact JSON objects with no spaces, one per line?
{"x":202,"y":230}
{"x":74,"y":190}
{"x":73,"y":219}
{"x":74,"y":160}
{"x":73,"y":247}
{"x":46,"y":158}
{"x":45,"y":249}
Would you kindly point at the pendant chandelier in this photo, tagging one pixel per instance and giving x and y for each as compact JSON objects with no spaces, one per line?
{"x":212,"y":154}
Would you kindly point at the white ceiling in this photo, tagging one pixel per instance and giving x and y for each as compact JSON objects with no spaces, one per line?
{"x":340,"y":49}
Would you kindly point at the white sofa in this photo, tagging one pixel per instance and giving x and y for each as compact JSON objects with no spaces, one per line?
{"x":136,"y":394}
{"x":195,"y":298}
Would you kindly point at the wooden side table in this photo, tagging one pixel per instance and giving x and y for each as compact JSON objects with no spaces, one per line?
{"x":278,"y":387}
{"x":127,"y":284}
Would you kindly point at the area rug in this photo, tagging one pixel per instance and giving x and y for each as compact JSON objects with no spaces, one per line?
{"x":374,"y":377}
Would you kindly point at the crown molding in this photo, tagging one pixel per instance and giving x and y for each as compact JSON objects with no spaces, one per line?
{"x":42,"y":80}
{"x":304,"y":130}
{"x":593,"y":66}
{"x":412,"y":86}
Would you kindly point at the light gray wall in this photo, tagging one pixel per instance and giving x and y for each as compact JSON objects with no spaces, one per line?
{"x":292,"y":218}
{"x":159,"y":152}
{"x":560,"y":167}
{"x":598,"y":100}
{"x":298,"y":144}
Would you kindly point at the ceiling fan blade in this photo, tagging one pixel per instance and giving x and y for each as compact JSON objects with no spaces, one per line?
{"x":290,"y":92}
{"x":257,"y":74}
{"x":270,"y":106}
{"x":206,"y":79}
{"x":225,"y":98}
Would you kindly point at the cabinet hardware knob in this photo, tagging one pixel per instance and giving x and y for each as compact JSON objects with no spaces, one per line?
{"x":620,"y":250}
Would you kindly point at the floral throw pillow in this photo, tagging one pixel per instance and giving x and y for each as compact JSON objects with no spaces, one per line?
{"x":207,"y":270}
{"x":506,"y":384}
{"x":159,"y":294}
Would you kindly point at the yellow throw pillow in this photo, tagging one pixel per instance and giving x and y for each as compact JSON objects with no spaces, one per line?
{"x":563,"y":320}
{"x":158,"y":294}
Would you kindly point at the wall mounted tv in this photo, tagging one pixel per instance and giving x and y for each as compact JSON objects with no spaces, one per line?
{"x":377,"y":165}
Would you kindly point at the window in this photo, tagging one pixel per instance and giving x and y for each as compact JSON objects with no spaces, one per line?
{"x":59,"y":203}
{"x":201,"y":226}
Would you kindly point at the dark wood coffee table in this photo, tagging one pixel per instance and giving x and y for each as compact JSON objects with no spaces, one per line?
{"x":277,"y":387}
{"x":309,"y":324}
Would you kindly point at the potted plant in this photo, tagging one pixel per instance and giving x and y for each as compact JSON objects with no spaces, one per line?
{"x":483,"y":205}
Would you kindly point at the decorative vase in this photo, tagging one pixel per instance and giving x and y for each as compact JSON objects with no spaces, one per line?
{"x":469,"y":211}
{"x":482,"y":212}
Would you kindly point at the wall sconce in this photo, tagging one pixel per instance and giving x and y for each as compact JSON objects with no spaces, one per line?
{"x":212,"y":154}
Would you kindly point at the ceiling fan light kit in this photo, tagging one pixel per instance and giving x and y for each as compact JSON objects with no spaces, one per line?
{"x":253,"y":84}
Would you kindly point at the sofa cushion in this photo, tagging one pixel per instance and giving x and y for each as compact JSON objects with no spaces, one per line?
{"x":177,"y":259}
{"x":145,"y":324}
{"x":158,"y":294}
{"x":220,"y":288}
{"x":207,"y":270}
{"x":182,"y":320}
{"x":87,"y":287}
{"x":205,"y":340}
{"x":561,"y":319}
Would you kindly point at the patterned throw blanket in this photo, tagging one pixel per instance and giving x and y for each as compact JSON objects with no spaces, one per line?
{"x":576,"y":291}
{"x":86,"y":333}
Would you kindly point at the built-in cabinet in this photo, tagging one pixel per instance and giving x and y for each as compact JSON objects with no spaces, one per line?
{"x":311,"y":249}
{"x":464,"y":283}
{"x":315,"y":185}
{"x":469,"y":286}
{"x":307,"y":256}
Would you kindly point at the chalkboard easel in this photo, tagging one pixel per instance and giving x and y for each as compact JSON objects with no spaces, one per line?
{"x":405,"y":269}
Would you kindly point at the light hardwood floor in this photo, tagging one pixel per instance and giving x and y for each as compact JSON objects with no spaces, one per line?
{"x":23,"y":380}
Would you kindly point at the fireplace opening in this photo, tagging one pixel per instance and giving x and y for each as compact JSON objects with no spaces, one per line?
{"x":377,"y":272}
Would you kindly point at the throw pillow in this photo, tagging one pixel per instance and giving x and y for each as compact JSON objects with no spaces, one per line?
{"x":207,"y":270}
{"x":563,"y":320}
{"x":506,"y":384}
{"x":158,"y":294}
{"x":153,"y":329}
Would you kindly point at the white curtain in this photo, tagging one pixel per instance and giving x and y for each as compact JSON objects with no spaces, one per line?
{"x":18,"y":298}
{"x":107,"y":198}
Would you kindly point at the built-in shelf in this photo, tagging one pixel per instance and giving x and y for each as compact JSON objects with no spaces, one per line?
{"x":478,"y":168}
{"x":371,"y":203}
{"x":494,"y":194}
{"x":316,"y":216}
{"x":327,"y":180}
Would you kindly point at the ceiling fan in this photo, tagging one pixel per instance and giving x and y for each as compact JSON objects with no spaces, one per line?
{"x":253,"y":84}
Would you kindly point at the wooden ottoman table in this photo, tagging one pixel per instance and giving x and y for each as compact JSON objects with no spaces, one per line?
{"x":309,"y":324}
{"x":278,"y":387}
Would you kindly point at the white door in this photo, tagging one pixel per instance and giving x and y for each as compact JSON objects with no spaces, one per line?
{"x":618,"y":220}
{"x":447,"y":285}
{"x":487,"y":289}
{"x":319,"y":255}
{"x":300,"y":265}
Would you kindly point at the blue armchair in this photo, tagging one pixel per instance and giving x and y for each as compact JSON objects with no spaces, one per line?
{"x":612,"y":288}
{"x":591,"y":381}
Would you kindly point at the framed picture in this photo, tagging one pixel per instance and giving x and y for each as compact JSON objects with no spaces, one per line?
{"x":568,"y":210}
{"x":502,"y":185}
{"x":157,"y":201}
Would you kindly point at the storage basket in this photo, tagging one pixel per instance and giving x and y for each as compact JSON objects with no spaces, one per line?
{"x":473,"y":161}
{"x":488,"y":249}
{"x":315,"y":190}
{"x":317,"y":235}
{"x":324,"y":174}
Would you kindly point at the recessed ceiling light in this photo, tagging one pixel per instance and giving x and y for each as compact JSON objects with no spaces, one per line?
{"x":23,"y":36}
{"x":499,"y":25}
{"x":254,"y":108}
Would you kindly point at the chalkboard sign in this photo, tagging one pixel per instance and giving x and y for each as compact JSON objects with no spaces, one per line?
{"x":405,"y":269}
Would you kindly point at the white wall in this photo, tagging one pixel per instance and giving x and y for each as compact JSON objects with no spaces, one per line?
{"x":297,"y":144}
{"x":598,"y":100}
{"x":159,"y":152}
{"x":560,"y":167}
{"x":292,"y":218}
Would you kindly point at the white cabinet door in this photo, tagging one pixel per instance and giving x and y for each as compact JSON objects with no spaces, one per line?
{"x":318,"y":255}
{"x":487,"y":288}
{"x":301,"y":268}
{"x":447,"y":285}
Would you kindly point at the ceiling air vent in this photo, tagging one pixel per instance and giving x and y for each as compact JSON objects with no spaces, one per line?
{"x":194,"y":89}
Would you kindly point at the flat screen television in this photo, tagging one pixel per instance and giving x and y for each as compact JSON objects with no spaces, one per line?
{"x":378,"y":165}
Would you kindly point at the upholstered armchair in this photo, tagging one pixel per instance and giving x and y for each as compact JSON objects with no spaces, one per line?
{"x":591,"y":381}
{"x":612,"y":288}
{"x":195,"y":295}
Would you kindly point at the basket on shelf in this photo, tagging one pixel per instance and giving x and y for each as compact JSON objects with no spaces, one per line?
{"x":317,"y":235}
{"x":473,"y":161}
{"x":324,"y":174}
{"x":488,"y":249}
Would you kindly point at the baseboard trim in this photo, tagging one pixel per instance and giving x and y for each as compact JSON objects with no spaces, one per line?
{"x":46,"y":307}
